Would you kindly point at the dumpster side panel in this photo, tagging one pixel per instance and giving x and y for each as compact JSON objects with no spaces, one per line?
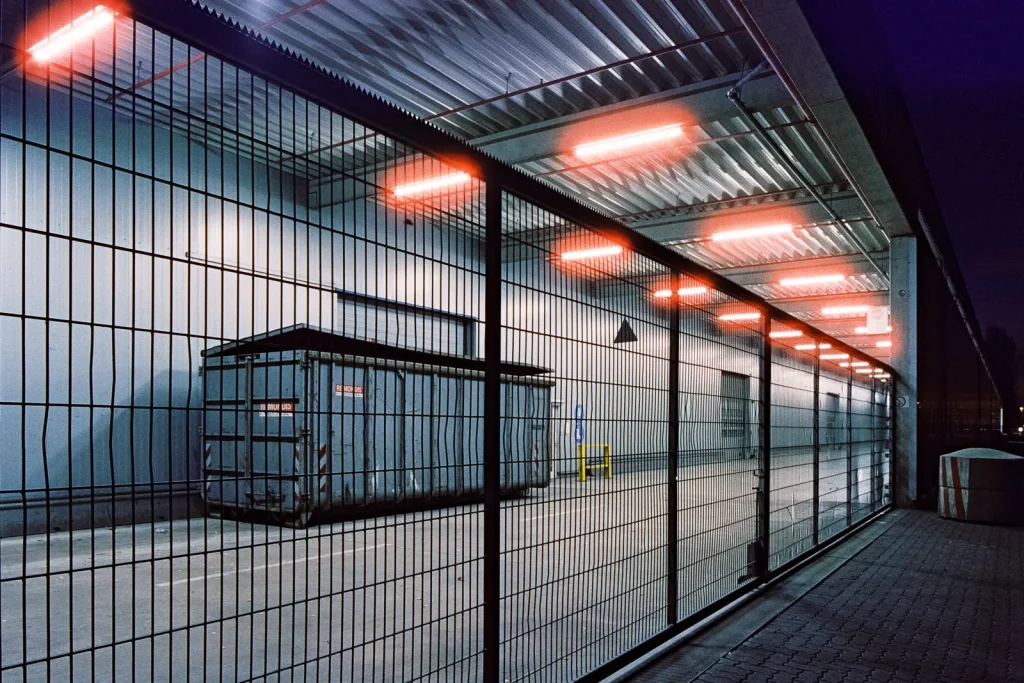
{"x":417,"y":427}
{"x":447,"y":425}
{"x":280,"y":462}
{"x":540,"y":436}
{"x":384,"y":476}
{"x":472,"y":467}
{"x":223,"y":433}
{"x":350,"y":395}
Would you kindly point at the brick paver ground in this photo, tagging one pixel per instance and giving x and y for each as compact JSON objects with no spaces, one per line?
{"x":929,"y":600}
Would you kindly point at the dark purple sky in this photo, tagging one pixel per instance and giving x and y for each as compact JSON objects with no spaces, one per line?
{"x":961,"y":65}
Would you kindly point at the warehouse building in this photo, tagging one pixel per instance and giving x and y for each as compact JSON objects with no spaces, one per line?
{"x":325,"y":356}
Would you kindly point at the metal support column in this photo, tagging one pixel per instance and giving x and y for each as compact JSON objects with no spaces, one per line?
{"x":765,"y":428}
{"x":492,"y":434}
{"x":849,"y":449}
{"x":816,"y":450}
{"x":672,"y":521}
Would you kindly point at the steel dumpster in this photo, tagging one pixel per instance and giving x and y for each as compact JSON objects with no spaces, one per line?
{"x":304,"y":421}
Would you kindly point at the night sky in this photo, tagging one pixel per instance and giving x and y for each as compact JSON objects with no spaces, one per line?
{"x":961,"y":65}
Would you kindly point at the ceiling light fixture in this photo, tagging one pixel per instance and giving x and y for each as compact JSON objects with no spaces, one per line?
{"x":65,"y":38}
{"x":833,"y":356}
{"x":431,"y":184}
{"x":682,"y":291}
{"x":597,"y":252}
{"x":732,"y":317}
{"x":866,"y":330}
{"x":642,"y":138}
{"x":884,"y":344}
{"x":786,"y":334}
{"x":753,"y":233}
{"x":811,"y":347}
{"x":811,"y":280}
{"x":864,"y":371}
{"x":845,"y":310}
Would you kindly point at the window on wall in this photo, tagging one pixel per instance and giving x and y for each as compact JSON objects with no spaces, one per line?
{"x":407,"y":325}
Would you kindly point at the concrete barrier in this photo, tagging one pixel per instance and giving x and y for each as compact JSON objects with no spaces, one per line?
{"x":982,"y":485}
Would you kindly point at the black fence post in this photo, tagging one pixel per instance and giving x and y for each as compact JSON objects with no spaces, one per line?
{"x":892,"y":439}
{"x":849,"y":448}
{"x":672,"y":521}
{"x":816,"y":450}
{"x":492,"y":433}
{"x":765,"y":427}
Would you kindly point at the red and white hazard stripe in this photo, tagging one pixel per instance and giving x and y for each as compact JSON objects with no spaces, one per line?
{"x":956,"y":505}
{"x":323,"y":469}
{"x":297,"y":480}
{"x":207,"y":462}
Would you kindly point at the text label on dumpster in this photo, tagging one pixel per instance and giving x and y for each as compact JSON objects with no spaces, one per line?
{"x":350,"y":390}
{"x":282,"y":409}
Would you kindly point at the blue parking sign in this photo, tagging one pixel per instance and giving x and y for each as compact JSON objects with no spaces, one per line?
{"x":580,"y":415}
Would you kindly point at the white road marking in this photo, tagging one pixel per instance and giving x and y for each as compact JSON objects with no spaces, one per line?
{"x":244,"y":570}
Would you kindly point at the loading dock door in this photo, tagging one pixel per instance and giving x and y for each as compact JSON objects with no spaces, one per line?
{"x":735,"y":394}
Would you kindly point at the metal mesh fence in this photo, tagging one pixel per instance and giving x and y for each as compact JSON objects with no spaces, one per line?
{"x":286,"y":397}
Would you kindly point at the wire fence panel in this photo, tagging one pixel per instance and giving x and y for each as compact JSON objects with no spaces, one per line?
{"x":583,"y":561}
{"x":176,"y":232}
{"x":793,"y":453}
{"x":720,"y":452}
{"x":286,"y":396}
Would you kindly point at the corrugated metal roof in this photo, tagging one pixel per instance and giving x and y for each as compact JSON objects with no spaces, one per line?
{"x":434,"y":56}
{"x":430,"y":56}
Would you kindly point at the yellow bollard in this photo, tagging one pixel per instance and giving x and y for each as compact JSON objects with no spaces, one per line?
{"x":581,"y":456}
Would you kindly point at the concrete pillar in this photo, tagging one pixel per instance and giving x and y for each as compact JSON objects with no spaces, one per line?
{"x":903,"y":293}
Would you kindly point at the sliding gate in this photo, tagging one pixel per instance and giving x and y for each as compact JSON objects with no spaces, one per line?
{"x":173,"y":184}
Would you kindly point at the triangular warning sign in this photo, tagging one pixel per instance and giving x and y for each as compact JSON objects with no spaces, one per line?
{"x":626,"y":333}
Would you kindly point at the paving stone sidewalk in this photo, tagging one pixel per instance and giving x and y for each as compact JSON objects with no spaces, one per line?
{"x":930,"y":600}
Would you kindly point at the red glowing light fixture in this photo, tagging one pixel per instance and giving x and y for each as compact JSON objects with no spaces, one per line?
{"x":812,"y":280}
{"x":682,"y":291}
{"x":735,"y":317}
{"x":63,"y":39}
{"x":753,"y":233}
{"x":786,"y":334}
{"x":844,"y":310}
{"x":642,"y":138}
{"x":597,"y":252}
{"x":431,"y":184}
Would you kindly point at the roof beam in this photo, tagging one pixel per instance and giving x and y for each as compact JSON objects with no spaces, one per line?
{"x":697,"y":103}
